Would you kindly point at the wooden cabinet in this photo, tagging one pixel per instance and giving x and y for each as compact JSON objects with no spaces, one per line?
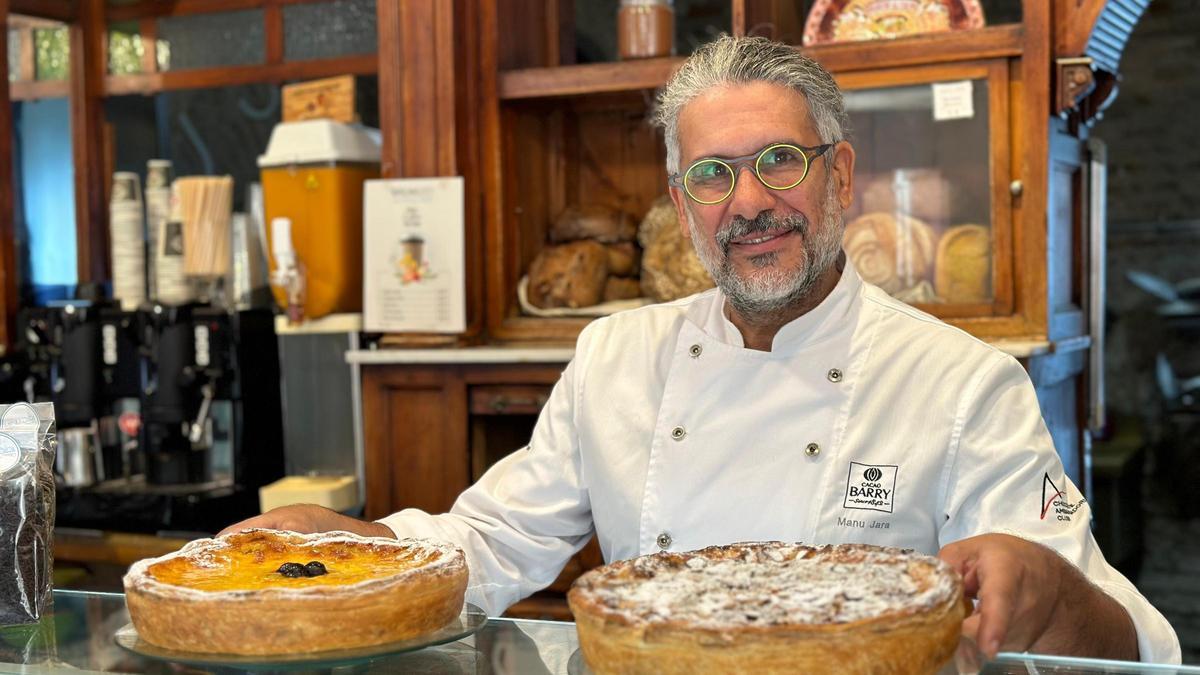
{"x":432,"y":430}
{"x":577,"y":134}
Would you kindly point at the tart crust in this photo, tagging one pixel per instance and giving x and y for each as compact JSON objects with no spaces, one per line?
{"x":770,"y":608}
{"x":224,"y":596}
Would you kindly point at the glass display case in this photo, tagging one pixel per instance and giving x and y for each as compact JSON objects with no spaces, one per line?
{"x":80,"y":635}
{"x":931,"y":222}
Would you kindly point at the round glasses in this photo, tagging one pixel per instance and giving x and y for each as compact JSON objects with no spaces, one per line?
{"x":781,"y":166}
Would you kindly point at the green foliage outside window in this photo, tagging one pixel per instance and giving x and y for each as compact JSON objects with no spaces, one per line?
{"x":53,"y":51}
{"x":125,"y":49}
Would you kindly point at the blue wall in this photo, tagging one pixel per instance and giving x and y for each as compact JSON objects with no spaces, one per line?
{"x":47,"y":200}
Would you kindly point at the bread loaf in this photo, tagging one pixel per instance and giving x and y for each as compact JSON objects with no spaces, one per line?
{"x":670,"y":267}
{"x":622,"y":288}
{"x":624,"y":258}
{"x":964,"y":264}
{"x":894,"y":253}
{"x":569,"y":275}
{"x":592,"y":222}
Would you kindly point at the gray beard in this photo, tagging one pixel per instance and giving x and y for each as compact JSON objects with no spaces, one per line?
{"x":771,"y":289}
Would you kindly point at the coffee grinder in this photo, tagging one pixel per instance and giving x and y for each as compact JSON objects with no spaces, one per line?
{"x":61,"y":344}
{"x":211,"y":425}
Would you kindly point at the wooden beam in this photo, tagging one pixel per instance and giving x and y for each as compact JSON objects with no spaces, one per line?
{"x":391,"y":84}
{"x":199,"y":78}
{"x":89,"y":61}
{"x":148,"y":30}
{"x":157,"y":8}
{"x":27,"y":66}
{"x":41,"y":89}
{"x":273,"y":31}
{"x":417,"y":95}
{"x":430,"y":104}
{"x":8,"y":262}
{"x":59,"y":10}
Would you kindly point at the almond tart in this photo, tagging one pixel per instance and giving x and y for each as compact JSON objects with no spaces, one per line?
{"x":228,"y":595}
{"x":770,"y":608}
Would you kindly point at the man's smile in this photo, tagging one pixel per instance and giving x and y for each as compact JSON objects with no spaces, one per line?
{"x":760,"y":242}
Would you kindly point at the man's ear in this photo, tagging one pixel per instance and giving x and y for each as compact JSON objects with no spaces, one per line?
{"x":843,"y":172}
{"x":680,"y":200}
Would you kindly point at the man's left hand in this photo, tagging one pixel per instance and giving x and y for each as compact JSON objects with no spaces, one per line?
{"x":1031,"y":599}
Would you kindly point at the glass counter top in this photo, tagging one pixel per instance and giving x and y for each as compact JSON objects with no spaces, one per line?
{"x":78,"y":636}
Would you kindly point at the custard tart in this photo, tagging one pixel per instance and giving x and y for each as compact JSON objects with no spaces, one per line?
{"x":266,"y":592}
{"x":770,"y":608}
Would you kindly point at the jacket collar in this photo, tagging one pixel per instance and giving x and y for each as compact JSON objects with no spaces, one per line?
{"x":834,"y":314}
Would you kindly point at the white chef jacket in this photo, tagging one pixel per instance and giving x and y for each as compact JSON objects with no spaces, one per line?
{"x":869,"y":422}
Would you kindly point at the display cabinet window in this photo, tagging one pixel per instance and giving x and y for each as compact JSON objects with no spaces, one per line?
{"x":44,"y":208}
{"x":695,"y":23}
{"x":212,"y":40}
{"x":329,"y":29}
{"x":214,"y":131}
{"x":14,"y":55}
{"x":52,"y":52}
{"x":125,"y":48}
{"x":921,"y":223}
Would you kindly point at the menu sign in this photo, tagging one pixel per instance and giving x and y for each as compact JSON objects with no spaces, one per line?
{"x":414,"y":271}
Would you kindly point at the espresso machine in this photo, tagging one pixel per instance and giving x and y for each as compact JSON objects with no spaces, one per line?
{"x":169,"y":417}
{"x":61,"y":345}
{"x":211,"y":417}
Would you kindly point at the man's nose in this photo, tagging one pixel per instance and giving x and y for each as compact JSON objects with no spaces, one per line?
{"x":750,"y":197}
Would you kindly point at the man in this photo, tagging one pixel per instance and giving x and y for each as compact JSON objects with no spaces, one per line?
{"x":795,"y":402}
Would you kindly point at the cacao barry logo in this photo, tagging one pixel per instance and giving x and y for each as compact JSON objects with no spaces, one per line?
{"x":871,"y":487}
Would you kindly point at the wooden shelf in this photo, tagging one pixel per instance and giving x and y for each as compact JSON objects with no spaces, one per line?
{"x":225,"y":76}
{"x":594,"y":78}
{"x":967,"y":45}
{"x":587,"y":78}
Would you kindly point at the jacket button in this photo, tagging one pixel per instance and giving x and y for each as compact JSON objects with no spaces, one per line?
{"x":812,"y":450}
{"x":678,"y":433}
{"x":663,"y":541}
{"x":834,"y":375}
{"x":695,"y":350}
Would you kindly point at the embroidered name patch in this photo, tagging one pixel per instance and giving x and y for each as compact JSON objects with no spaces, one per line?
{"x":871,"y":487}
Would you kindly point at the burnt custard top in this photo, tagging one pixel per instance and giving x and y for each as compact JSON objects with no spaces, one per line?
{"x":261,"y":559}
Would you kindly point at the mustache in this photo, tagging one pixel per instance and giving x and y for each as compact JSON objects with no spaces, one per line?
{"x":765,"y":221}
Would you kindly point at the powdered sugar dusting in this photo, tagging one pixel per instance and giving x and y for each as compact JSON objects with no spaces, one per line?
{"x":770,"y":584}
{"x":434,"y":556}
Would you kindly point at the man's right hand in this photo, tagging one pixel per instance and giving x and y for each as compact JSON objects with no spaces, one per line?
{"x":308,"y":518}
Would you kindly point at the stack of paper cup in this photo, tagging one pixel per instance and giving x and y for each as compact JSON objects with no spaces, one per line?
{"x":158,"y":209}
{"x":128,"y":230}
{"x":171,"y":282}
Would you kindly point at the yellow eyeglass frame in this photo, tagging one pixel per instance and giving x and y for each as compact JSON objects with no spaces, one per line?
{"x":753,"y":160}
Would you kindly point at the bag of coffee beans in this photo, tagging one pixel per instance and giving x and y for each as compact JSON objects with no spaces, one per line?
{"x":27,"y":446}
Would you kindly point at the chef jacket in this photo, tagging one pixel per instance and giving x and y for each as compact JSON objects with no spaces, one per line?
{"x":867,"y":422}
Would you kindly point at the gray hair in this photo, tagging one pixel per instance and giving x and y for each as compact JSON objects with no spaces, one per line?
{"x":740,"y":60}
